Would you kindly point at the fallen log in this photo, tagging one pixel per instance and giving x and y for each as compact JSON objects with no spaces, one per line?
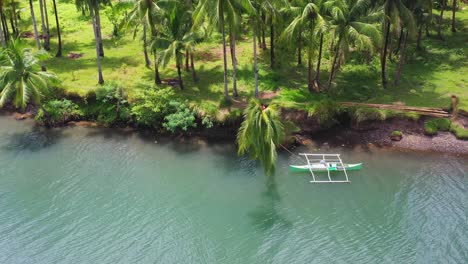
{"x":427,"y":111}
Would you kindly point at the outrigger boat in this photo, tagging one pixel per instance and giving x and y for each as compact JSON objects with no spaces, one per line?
{"x":325,"y":163}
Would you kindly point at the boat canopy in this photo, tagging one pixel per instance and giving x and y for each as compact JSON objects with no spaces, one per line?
{"x":325,"y":159}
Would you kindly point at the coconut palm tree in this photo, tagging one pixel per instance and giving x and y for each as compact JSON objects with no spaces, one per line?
{"x":395,"y":11}
{"x":148,"y":11}
{"x":20,"y":82}
{"x":176,"y":37}
{"x":59,"y":35}
{"x":309,"y":22}
{"x":454,"y":10}
{"x":442,"y":3}
{"x":36,"y":34}
{"x":220,"y":13}
{"x":353,"y":24}
{"x":92,"y":13}
{"x":260,"y":134}
{"x":44,"y":24}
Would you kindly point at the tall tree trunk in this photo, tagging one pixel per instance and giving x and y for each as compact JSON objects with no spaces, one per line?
{"x":454,"y":10}
{"x":145,"y":45}
{"x":44,"y":30}
{"x":299,"y":48}
{"x":96,"y":40}
{"x":402,"y":58}
{"x":428,"y":34}
{"x":441,"y":20}
{"x":6,"y":32}
{"x":333,"y":67}
{"x":419,"y":38}
{"x":13,"y":28}
{"x":36,"y":34}
{"x":59,"y":35}
{"x":157,"y":78}
{"x":46,"y":15}
{"x":223,"y":31}
{"x":98,"y":29}
{"x":187,"y":58}
{"x":255,"y":61}
{"x":15,"y":16}
{"x":310,"y":83}
{"x":272,"y":44}
{"x":192,"y":65}
{"x":400,"y":38}
{"x":383,"y":58}
{"x":232,"y":38}
{"x":179,"y":74}
{"x":2,"y":37}
{"x":319,"y":61}
{"x":263,"y":31}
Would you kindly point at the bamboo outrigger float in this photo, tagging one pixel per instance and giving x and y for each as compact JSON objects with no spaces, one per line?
{"x":325,"y":163}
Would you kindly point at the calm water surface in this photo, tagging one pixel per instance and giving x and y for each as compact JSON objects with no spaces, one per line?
{"x":79,"y":195}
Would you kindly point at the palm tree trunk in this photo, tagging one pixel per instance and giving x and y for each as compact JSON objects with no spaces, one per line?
{"x":47,"y":24}
{"x":98,"y":29}
{"x":255,"y":61}
{"x":44,"y":31}
{"x":299,"y":47}
{"x":13,"y":28}
{"x":232,"y":38}
{"x":272,"y":44}
{"x":454,"y":10}
{"x":96,"y":40}
{"x":3,"y":22}
{"x":2,"y":37}
{"x":332,"y":71}
{"x":402,"y":58}
{"x":59,"y":35}
{"x":263,"y":31}
{"x":36,"y":34}
{"x":419,"y":38}
{"x":441,"y":20}
{"x":187,"y":57}
{"x":223,"y":31}
{"x":319,"y":61}
{"x":145,"y":45}
{"x":157,"y":78}
{"x":192,"y":65}
{"x":179,"y":74}
{"x":15,"y":16}
{"x":400,"y":38}
{"x":309,"y":70}
{"x":384,"y":55}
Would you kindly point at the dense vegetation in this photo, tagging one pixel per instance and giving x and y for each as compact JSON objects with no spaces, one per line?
{"x":214,"y":55}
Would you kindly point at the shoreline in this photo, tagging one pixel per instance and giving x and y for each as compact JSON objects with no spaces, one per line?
{"x":371,"y":135}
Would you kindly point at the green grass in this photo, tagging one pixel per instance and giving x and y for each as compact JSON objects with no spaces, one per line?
{"x":429,"y":78}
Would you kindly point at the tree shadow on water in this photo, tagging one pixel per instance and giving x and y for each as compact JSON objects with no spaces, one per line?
{"x":33,"y":140}
{"x":266,"y":216}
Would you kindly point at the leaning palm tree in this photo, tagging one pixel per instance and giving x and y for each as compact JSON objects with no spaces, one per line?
{"x":36,"y":34}
{"x":260,"y":134}
{"x":353,"y":25}
{"x":20,"y":81}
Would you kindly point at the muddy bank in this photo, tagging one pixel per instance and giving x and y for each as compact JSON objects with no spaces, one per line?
{"x":377,"y":135}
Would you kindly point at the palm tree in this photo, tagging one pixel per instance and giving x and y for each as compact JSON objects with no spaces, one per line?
{"x":255,"y":20}
{"x":353,"y":25}
{"x":19,"y":79}
{"x":36,"y":34}
{"x":44,"y":24}
{"x":92,"y":10}
{"x":394,"y":11}
{"x":408,"y":28}
{"x":309,"y":22}
{"x":443,"y":3}
{"x":176,"y":37}
{"x":260,"y":134}
{"x":59,"y":35}
{"x":454,"y":10}
{"x":217,"y":12}
{"x":148,"y":10}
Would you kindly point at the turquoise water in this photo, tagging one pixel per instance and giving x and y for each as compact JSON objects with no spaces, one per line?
{"x":82,"y":195}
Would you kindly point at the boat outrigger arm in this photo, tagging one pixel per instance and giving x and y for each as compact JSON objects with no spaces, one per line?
{"x":326,"y":162}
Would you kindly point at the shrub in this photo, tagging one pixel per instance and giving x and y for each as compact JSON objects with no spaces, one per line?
{"x":396,"y":133}
{"x":361,"y":114}
{"x":207,"y":122}
{"x":151,"y":106}
{"x":459,"y":131}
{"x":225,"y":102}
{"x":181,"y":120}
{"x":326,"y":113}
{"x":432,"y":126}
{"x":113,"y":104}
{"x":58,"y":112}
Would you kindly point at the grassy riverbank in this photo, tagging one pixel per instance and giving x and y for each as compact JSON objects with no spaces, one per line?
{"x":429,"y":77}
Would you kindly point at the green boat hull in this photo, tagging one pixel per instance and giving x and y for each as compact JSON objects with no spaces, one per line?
{"x":316,"y":168}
